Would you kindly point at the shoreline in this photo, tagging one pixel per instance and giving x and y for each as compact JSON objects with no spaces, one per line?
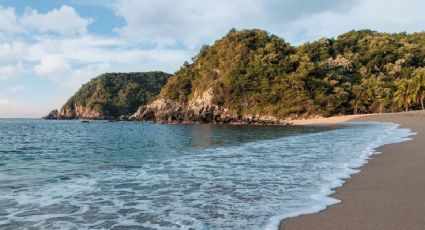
{"x":389,"y":190}
{"x":330,"y":120}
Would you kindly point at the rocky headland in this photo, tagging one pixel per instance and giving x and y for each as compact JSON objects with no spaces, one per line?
{"x":252,"y":77}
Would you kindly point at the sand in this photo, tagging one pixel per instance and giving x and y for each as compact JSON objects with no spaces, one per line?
{"x":388,"y":193}
{"x":328,"y":120}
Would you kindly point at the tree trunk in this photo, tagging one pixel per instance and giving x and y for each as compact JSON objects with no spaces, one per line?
{"x":422,"y":104}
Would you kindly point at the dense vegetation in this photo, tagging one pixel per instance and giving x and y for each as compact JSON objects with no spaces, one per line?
{"x":116,"y":94}
{"x":252,"y":72}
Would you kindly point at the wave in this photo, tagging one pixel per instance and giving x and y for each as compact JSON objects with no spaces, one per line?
{"x":250,"y":185}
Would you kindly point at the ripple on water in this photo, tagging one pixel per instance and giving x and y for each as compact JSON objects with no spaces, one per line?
{"x":145,"y":176}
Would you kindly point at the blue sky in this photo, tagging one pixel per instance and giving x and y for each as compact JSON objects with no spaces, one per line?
{"x":48,"y":48}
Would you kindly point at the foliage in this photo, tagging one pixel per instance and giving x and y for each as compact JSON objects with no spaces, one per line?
{"x":253,"y":72}
{"x":116,"y":94}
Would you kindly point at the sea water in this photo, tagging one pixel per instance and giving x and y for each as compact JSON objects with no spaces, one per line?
{"x":129,"y":175}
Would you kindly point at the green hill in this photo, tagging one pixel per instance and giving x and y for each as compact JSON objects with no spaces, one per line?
{"x":113,"y":95}
{"x":252,"y":75}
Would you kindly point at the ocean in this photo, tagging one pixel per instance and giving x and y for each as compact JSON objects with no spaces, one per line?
{"x":130,"y":175}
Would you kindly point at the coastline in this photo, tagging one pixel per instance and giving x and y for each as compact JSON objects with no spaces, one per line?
{"x":329,"y":120}
{"x":388,"y":193}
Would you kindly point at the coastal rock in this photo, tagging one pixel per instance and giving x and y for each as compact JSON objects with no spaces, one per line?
{"x":53,"y":115}
{"x":80,"y":112}
{"x":67,"y":113}
{"x":87,"y":113}
{"x":202,"y":108}
{"x":160,"y":110}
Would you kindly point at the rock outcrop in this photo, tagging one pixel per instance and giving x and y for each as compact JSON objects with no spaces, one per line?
{"x":201,"y":109}
{"x":80,"y":112}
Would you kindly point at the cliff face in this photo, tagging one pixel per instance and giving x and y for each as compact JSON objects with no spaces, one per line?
{"x":112,"y":96}
{"x":201,"y":109}
{"x":81,"y":112}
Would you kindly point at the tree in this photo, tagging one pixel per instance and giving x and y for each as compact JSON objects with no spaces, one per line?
{"x":358,"y":102}
{"x":115,"y":94}
{"x":403,"y":96}
{"x":254,"y":73}
{"x":418,"y":86}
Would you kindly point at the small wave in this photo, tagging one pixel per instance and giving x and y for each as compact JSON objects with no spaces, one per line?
{"x":240,"y":185}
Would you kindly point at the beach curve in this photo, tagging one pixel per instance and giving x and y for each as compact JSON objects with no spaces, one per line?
{"x":389,"y":191}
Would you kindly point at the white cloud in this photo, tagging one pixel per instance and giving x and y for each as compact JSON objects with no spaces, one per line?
{"x":21,"y":109}
{"x":6,"y":71}
{"x":188,"y":22}
{"x":64,"y":20}
{"x":191,"y":22}
{"x":82,"y":75}
{"x":69,"y":62}
{"x":381,"y":15}
{"x":17,"y":88}
{"x":52,"y":67}
{"x":4,"y":102}
{"x":12,"y":51}
{"x":8,"y":20}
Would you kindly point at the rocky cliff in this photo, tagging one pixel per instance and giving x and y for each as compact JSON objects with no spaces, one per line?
{"x":201,"y":109}
{"x":82,"y":112}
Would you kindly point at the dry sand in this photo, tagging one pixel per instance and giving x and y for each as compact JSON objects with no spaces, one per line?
{"x":388,"y":193}
{"x":328,"y":120}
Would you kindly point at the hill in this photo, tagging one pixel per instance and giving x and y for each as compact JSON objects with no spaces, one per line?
{"x":250,"y":76}
{"x":112,"y":96}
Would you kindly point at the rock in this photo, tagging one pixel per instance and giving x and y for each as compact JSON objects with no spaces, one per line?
{"x":203,"y":108}
{"x":53,"y":115}
{"x":80,"y":112}
{"x":123,"y":118}
{"x":67,"y":113}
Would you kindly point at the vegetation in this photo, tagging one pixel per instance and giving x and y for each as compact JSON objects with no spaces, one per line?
{"x":116,"y":94}
{"x":253,"y":72}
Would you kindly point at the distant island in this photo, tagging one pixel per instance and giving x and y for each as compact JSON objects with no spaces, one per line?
{"x":250,"y":76}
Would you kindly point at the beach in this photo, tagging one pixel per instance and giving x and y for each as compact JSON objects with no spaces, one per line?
{"x":388,"y":193}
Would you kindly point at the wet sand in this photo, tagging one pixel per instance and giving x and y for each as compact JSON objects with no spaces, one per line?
{"x":388,"y":193}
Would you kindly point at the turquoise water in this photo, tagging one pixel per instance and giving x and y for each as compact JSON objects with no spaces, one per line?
{"x":124,"y":175}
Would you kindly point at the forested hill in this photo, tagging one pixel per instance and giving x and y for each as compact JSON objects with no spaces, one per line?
{"x":112,"y":95}
{"x":252,"y":75}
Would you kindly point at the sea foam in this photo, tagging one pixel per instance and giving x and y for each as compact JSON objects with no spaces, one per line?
{"x":181,"y":177}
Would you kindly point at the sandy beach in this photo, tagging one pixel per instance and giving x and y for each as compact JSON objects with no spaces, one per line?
{"x":329,"y":120}
{"x":388,"y":193}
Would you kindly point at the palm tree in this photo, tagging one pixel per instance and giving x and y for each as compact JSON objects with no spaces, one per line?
{"x":403,"y":95}
{"x":418,"y":86}
{"x":357,"y":106}
{"x":358,"y":102}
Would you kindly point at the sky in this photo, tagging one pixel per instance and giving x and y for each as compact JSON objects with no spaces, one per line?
{"x":49,"y":48}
